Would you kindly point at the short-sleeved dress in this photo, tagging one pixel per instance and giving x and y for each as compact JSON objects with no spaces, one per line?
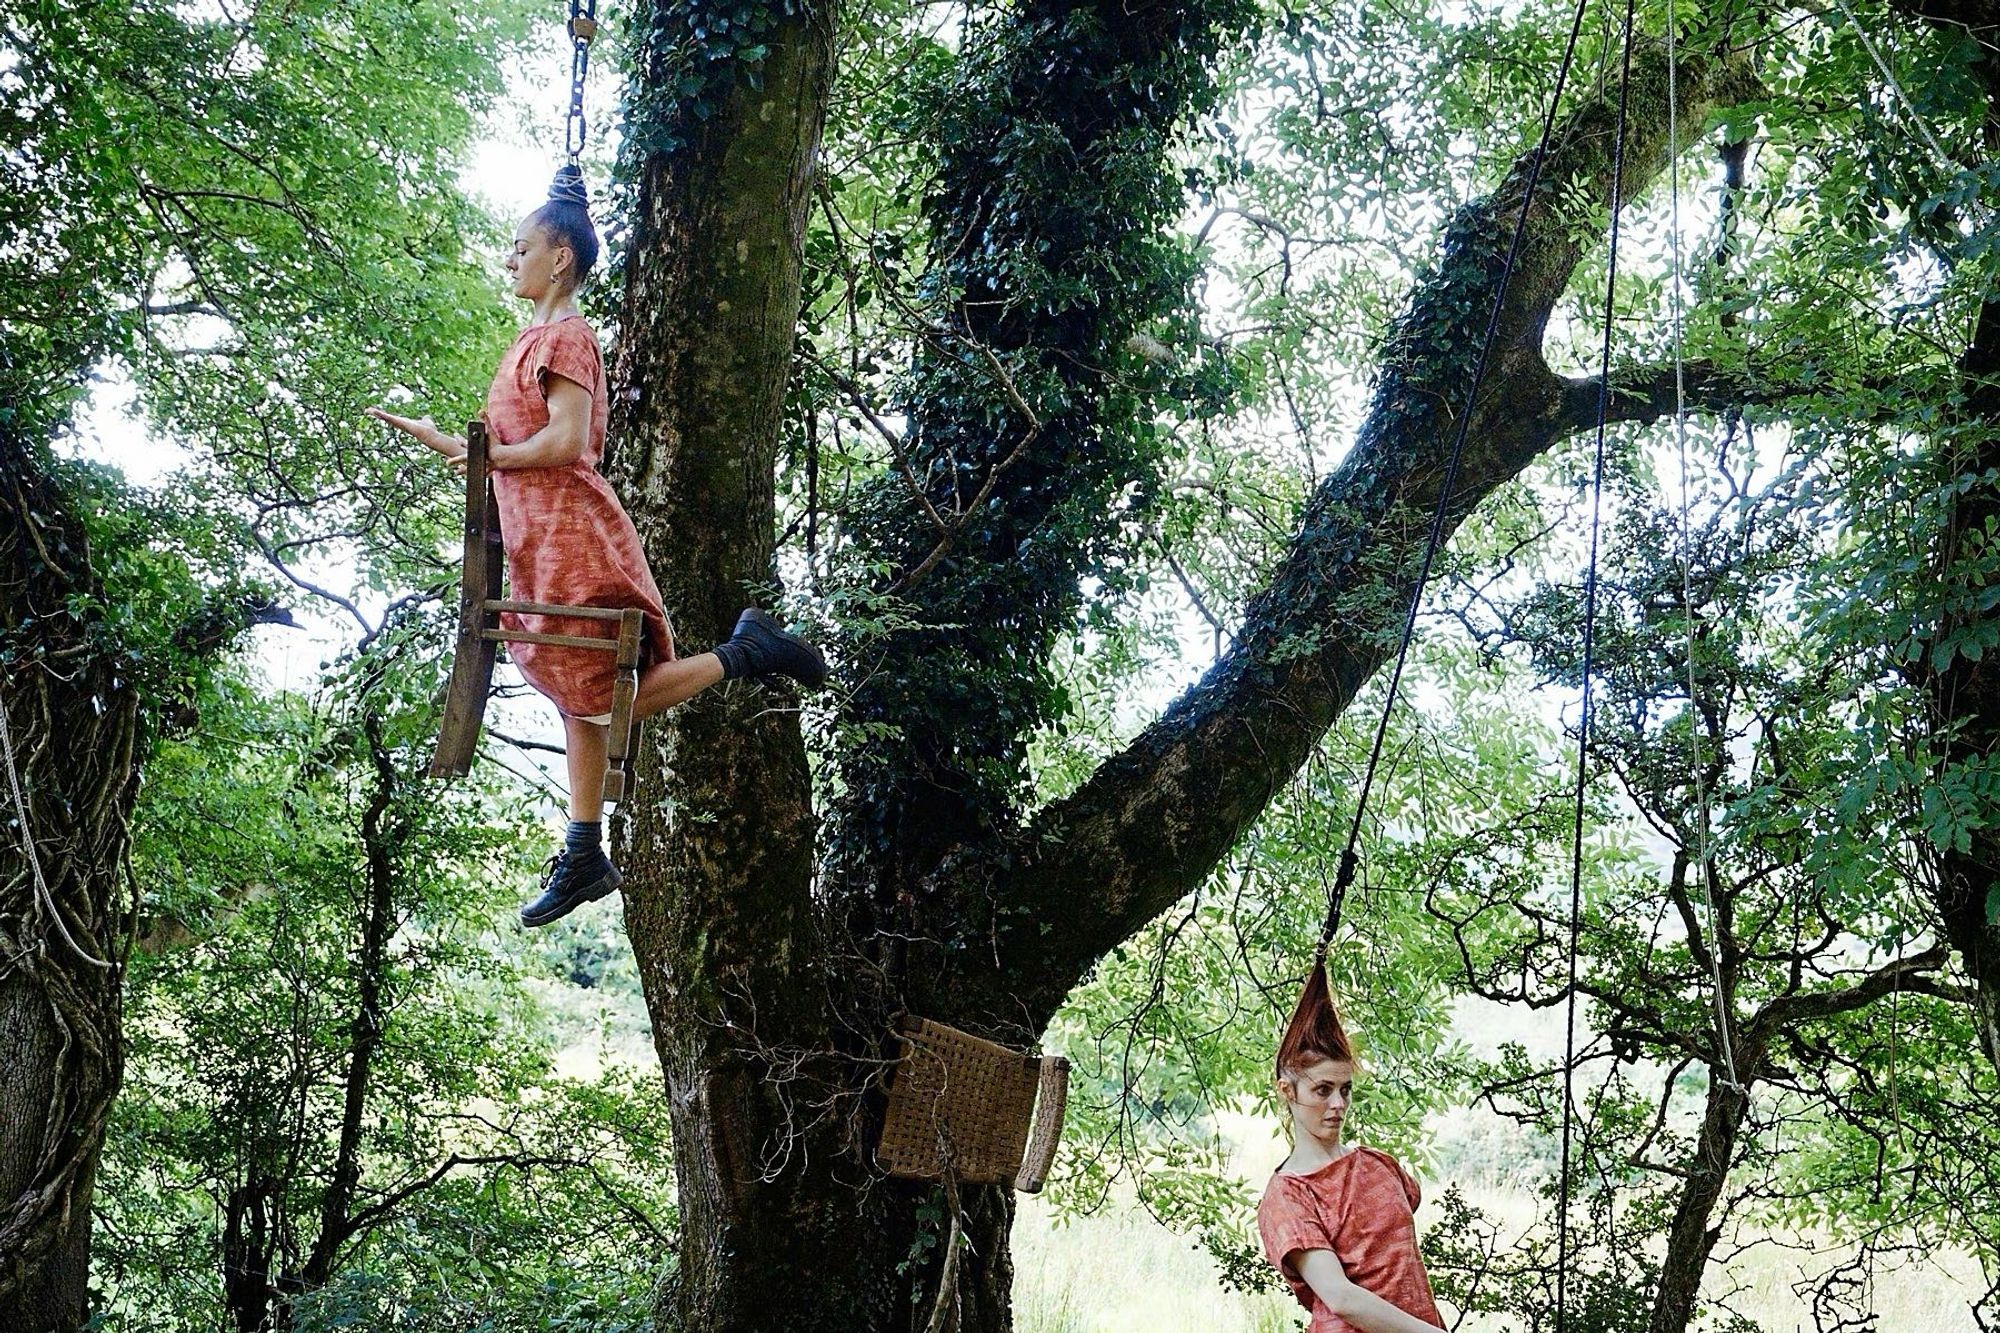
{"x":568,"y":540}
{"x":1361,"y":1206}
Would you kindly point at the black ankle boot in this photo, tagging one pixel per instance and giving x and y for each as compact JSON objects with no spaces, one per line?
{"x":760,"y":648}
{"x":568,"y":882}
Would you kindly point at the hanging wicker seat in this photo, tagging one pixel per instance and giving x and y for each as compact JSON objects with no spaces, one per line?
{"x":965,"y":1106}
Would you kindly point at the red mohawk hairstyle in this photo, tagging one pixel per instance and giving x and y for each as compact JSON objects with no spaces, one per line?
{"x":1315,"y":1033}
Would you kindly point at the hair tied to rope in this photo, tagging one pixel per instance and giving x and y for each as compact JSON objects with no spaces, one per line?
{"x":568,"y":187}
{"x":1315,"y":1032}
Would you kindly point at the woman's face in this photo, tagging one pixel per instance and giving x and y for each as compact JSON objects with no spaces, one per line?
{"x":1319,"y":1095}
{"x":537,"y":265}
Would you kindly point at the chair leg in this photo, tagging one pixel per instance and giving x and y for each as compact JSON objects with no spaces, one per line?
{"x":479,"y":582}
{"x":624,"y":694}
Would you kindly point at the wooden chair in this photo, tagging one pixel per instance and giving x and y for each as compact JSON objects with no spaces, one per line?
{"x":962,"y":1105}
{"x":480,"y":636}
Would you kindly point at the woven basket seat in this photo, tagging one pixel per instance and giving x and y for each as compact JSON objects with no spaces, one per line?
{"x":962,"y":1104}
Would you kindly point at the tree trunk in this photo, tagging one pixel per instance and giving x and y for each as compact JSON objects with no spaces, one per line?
{"x":1965,"y":695}
{"x":1690,"y":1238}
{"x":249,"y":1243}
{"x":718,"y":847}
{"x":72,"y":719}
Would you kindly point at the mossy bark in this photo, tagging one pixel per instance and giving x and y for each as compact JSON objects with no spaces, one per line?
{"x":718,"y":845}
{"x":73,"y":719}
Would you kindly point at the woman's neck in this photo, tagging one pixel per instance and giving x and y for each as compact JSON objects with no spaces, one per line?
{"x":1310,"y":1152}
{"x":554,"y":306}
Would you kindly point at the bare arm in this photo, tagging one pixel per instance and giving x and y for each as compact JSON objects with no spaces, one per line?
{"x":1357,"y":1305}
{"x":424,"y":431}
{"x":557,"y":444}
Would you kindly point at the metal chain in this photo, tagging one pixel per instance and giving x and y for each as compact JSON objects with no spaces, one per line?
{"x":582,"y":28}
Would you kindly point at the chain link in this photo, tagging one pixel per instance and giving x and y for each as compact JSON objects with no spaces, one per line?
{"x":582,"y":28}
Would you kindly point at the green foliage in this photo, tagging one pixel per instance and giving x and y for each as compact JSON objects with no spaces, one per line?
{"x":488,"y":1190}
{"x":259,"y":217}
{"x":1050,"y":283}
{"x":340,"y":1098}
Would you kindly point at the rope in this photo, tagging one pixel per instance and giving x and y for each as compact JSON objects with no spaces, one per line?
{"x":582,"y":28}
{"x":1344,"y":879}
{"x":1909,"y":107}
{"x":1704,"y":844}
{"x":1589,"y":657}
{"x":43,"y":897}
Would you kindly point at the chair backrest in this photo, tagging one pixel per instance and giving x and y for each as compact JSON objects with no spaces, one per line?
{"x":480,"y":581}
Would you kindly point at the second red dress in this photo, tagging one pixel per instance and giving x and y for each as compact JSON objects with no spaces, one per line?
{"x":567,"y":538}
{"x":1361,"y":1206}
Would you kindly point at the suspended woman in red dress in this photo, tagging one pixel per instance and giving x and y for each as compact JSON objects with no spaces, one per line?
{"x":569,"y":541}
{"x":1337,"y":1219}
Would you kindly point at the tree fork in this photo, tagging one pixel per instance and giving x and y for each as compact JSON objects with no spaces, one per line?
{"x":1154,"y":820}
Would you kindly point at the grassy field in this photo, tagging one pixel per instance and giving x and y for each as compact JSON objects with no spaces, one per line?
{"x":1119,"y":1271}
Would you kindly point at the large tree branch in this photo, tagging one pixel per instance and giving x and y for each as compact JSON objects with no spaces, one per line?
{"x":1788,"y":1011}
{"x":1155,"y":819}
{"x":1644,"y":394}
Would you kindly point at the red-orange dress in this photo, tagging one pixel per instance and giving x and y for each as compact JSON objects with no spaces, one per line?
{"x":568,"y":539}
{"x":1361,"y":1205}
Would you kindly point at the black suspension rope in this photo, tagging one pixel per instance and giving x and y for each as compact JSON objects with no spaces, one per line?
{"x":1344,"y":878}
{"x":582,"y":28}
{"x":1589,"y":661}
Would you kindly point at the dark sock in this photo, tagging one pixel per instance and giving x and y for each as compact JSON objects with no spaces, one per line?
{"x":735,"y":659}
{"x":584,"y":842}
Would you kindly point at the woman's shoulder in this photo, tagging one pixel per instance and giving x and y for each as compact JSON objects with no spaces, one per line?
{"x":1403,"y":1174}
{"x":1282,"y":1196}
{"x":1379,"y":1154}
{"x":569,"y":328}
{"x":1379,"y":1157}
{"x":1292,"y":1175}
{"x":567,"y":346}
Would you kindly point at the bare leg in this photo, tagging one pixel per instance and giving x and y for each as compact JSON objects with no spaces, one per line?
{"x":664,"y":684}
{"x":589,"y":743}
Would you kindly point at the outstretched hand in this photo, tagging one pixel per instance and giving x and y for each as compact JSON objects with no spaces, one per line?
{"x":425,"y":432}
